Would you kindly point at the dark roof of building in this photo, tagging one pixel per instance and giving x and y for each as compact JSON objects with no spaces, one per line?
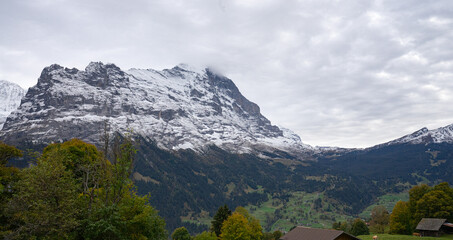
{"x":305,"y":233}
{"x":448,"y":225}
{"x":430,"y":224}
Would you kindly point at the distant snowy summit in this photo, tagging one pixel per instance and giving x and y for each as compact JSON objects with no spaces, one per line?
{"x":10,"y":96}
{"x":422,"y":136}
{"x":178,"y":108}
{"x":439,"y":135}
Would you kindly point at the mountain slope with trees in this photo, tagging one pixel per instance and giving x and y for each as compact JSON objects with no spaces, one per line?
{"x":73,"y":192}
{"x":201,"y":144}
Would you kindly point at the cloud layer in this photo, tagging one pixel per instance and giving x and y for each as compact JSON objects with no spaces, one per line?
{"x":344,"y":73}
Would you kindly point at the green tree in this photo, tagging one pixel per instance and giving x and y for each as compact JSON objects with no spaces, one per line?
{"x":359,"y":227}
{"x":221,"y":215}
{"x":379,"y":219}
{"x":444,"y":187}
{"x":180,"y":234}
{"x":345,"y":226}
{"x":272,"y":236}
{"x":9,"y":176}
{"x":117,"y":212}
{"x":400,"y":219}
{"x":7,"y":152}
{"x":45,"y":205}
{"x":336,"y":225}
{"x":277,"y":234}
{"x":434,"y":204}
{"x":88,"y":167}
{"x":424,"y":202}
{"x":73,"y":192}
{"x":205,"y":236}
{"x":132,"y":218}
{"x":268,"y":236}
{"x":415,"y":194}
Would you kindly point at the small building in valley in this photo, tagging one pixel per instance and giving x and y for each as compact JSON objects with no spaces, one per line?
{"x":305,"y":233}
{"x":434,"y":227}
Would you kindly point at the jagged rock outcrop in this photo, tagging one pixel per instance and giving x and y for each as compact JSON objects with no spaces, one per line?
{"x":177,"y":108}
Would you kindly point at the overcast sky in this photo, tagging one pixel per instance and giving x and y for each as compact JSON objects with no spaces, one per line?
{"x":339,"y":73}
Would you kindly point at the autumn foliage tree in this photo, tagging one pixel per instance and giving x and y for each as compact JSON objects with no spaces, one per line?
{"x":73,"y":192}
{"x":424,"y":202}
{"x":235,"y":228}
{"x":241,"y":226}
{"x":400,"y":219}
{"x":379,"y":219}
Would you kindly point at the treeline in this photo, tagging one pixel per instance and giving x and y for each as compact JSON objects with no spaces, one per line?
{"x":73,"y":192}
{"x":227,"y":225}
{"x":378,"y":223}
{"x":188,"y":183}
{"x":424,"y":202}
{"x":406,"y":163}
{"x":354,"y":227}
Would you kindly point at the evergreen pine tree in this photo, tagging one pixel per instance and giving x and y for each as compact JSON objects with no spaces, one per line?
{"x":222,"y":214}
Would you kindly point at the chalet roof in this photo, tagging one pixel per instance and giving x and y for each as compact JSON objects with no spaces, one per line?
{"x":448,"y":225}
{"x":305,"y":233}
{"x":430,"y":224}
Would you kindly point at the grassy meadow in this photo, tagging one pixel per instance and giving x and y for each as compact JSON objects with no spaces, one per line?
{"x":388,"y":200}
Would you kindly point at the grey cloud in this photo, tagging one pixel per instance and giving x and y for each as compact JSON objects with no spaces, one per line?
{"x":348,"y":73}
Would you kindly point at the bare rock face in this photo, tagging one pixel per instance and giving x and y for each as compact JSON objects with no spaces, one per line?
{"x":177,"y":108}
{"x":10,"y":96}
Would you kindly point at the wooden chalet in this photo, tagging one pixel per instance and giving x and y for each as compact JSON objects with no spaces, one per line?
{"x":305,"y":233}
{"x":434,"y":227}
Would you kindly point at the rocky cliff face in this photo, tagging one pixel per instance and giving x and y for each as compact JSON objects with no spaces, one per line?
{"x":10,"y":96}
{"x":177,"y":108}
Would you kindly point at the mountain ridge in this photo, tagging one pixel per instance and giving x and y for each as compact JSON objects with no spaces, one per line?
{"x":201,"y":143}
{"x":423,"y":136}
{"x":178,"y":108}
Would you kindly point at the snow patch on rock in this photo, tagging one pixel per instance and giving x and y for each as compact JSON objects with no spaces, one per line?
{"x":10,"y":96}
{"x":179,"y":108}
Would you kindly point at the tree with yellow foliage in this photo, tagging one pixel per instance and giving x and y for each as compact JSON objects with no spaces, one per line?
{"x":241,"y":226}
{"x":73,"y":192}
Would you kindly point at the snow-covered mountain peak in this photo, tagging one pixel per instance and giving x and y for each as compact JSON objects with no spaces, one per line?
{"x":99,"y":67}
{"x":94,"y":67}
{"x":191,"y":68}
{"x":178,"y":108}
{"x":10,"y":96}
{"x":424,"y":135}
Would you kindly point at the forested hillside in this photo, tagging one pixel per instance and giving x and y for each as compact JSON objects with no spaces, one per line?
{"x":73,"y":192}
{"x":409,"y":163}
